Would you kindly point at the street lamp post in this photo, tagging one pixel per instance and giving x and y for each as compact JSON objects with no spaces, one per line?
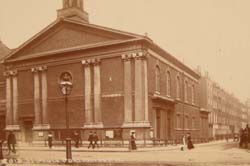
{"x":66,"y":87}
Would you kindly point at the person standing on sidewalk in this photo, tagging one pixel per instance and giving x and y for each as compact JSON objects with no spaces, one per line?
{"x":132,"y":141}
{"x":189,"y":142}
{"x":50,"y":140}
{"x":90,"y":139}
{"x":183,"y":142}
{"x":11,"y":141}
{"x":77,"y":139}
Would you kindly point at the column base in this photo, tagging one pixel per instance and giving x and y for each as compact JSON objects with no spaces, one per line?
{"x":136,"y":124}
{"x":41,"y":127}
{"x":98,"y":125}
{"x":12,"y":128}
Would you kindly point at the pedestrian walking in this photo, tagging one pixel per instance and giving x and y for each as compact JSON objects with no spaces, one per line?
{"x":241,"y":133}
{"x":50,"y":140}
{"x":189,"y":142}
{"x":11,"y":141}
{"x":77,"y":139}
{"x":90,"y":139}
{"x":247,"y":131}
{"x":95,"y":140}
{"x":132,"y":141}
{"x":227,"y":137}
{"x":183,"y":142}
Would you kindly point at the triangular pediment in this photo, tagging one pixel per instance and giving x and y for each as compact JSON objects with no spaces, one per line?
{"x":65,"y":34}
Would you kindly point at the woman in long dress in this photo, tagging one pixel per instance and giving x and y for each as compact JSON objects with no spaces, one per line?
{"x":132,"y":141}
{"x":189,"y":142}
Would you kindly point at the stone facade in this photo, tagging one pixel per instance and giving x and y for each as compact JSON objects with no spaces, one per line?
{"x":122,"y":82}
{"x":227,"y":113}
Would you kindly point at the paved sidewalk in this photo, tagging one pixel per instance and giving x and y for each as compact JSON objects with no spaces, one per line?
{"x":112,"y":149}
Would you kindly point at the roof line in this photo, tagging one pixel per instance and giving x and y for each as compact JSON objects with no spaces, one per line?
{"x":78,"y":48}
{"x":173,"y":57}
{"x":106,"y":28}
{"x":32,"y":38}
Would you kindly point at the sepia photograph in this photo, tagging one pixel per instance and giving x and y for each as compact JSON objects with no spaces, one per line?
{"x":124,"y":82}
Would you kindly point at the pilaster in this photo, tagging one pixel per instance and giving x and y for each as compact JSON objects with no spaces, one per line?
{"x":40,"y":98}
{"x":97,"y":94}
{"x":88,"y":93}
{"x":37,"y":105}
{"x":11,"y":100}
{"x":128,"y":109}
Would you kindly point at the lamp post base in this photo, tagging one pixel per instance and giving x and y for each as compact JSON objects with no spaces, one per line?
{"x":68,"y":151}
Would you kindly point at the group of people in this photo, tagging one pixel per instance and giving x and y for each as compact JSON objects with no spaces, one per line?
{"x":187,"y":141}
{"x":93,"y":140}
{"x":76,"y":139}
{"x":244,"y":137}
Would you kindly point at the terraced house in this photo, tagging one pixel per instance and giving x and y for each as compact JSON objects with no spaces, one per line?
{"x":121,"y":82}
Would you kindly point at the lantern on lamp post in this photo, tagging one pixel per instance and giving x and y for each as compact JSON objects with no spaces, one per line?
{"x":66,"y":86}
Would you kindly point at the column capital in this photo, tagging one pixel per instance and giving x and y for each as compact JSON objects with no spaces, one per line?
{"x":140,"y":55}
{"x":10,"y":73}
{"x":93,"y":61}
{"x":86,"y":62}
{"x":97,"y":61}
{"x":13,"y":72}
{"x":6,"y":74}
{"x":127,"y":57}
{"x":39,"y":68}
{"x":34,"y":69}
{"x":42,"y":68}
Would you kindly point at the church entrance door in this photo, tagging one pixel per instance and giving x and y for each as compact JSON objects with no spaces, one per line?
{"x":28,"y":137}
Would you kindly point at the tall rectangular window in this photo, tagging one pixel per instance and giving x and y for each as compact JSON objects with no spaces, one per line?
{"x":178,"y":85}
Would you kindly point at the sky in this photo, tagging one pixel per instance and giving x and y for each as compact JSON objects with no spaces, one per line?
{"x":212,"y":34}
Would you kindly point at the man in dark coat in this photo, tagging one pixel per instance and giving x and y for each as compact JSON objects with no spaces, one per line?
{"x":90,"y":139}
{"x":95,"y":140}
{"x":50,"y":140}
{"x":77,"y":139}
{"x":11,"y":142}
{"x":247,"y":130}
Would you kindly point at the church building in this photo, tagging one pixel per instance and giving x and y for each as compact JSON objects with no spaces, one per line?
{"x":119,"y":81}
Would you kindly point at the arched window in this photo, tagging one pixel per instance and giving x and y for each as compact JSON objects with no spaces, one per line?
{"x":193,"y":123}
{"x":186,"y":91}
{"x":186,"y":126}
{"x":168,"y":83}
{"x":192,"y":94}
{"x":178,"y":85}
{"x":178,"y":121}
{"x":157,"y":79}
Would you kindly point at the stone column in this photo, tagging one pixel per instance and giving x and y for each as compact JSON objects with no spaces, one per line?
{"x":141,"y":90}
{"x":9,"y":113}
{"x":88,"y":92}
{"x":11,"y":101}
{"x":139,"y":112}
{"x":97,"y":94}
{"x":44,"y":91}
{"x":37,"y":106}
{"x":15,"y":97}
{"x":127,"y":91}
{"x":145,"y":67}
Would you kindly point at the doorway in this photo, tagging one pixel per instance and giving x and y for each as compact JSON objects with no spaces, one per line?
{"x":158,"y":124}
{"x":28,"y":135}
